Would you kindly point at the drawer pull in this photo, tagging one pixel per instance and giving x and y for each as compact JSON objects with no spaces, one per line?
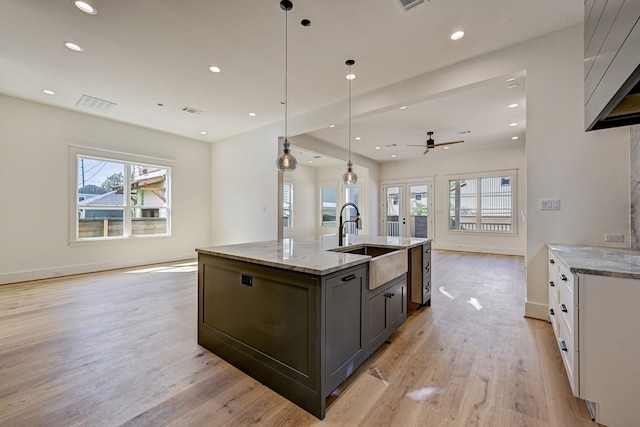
{"x":563,"y":277}
{"x":349,"y":277}
{"x":551,"y":261}
{"x":563,"y":346}
{"x":551,"y":283}
{"x":564,"y":308}
{"x":551,"y":312}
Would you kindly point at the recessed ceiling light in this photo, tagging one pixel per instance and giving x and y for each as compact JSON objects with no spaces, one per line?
{"x":350,"y":76}
{"x":214,"y":69}
{"x":85,"y":7}
{"x":457,"y":35}
{"x":203,"y":133}
{"x":513,"y":124}
{"x":377,"y":148}
{"x":73,"y":47}
{"x":252,"y":114}
{"x":393,"y":155}
{"x":332,"y":126}
{"x":510,"y":79}
{"x":513,"y":86}
{"x":404,"y":107}
{"x":310,"y":161}
{"x":514,"y":105}
{"x":514,"y":137}
{"x":48,"y":92}
{"x":357,"y":138}
{"x":446,"y":148}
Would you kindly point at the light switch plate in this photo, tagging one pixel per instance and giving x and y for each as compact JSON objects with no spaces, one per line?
{"x":549,"y":204}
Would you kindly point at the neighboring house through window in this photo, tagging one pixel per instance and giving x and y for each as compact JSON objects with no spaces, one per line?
{"x":118,"y":196}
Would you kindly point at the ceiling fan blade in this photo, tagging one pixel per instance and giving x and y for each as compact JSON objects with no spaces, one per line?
{"x":426,"y":151}
{"x":448,"y":143}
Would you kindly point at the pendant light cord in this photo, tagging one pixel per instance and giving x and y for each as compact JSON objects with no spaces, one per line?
{"x":350,"y":115}
{"x":286,"y":73}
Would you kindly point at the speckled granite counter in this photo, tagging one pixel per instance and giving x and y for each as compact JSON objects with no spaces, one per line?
{"x":600,"y":261}
{"x":308,"y":255}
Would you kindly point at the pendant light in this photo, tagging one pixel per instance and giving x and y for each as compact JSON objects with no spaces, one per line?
{"x":286,"y":161}
{"x":350,"y":177}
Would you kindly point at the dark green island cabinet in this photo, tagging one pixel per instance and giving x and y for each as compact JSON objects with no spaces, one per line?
{"x":299,"y":333}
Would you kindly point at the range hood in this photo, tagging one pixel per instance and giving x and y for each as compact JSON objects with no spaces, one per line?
{"x":611,"y":63}
{"x":624,"y":108}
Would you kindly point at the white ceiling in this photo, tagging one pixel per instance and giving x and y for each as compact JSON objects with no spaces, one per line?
{"x":139,"y":54}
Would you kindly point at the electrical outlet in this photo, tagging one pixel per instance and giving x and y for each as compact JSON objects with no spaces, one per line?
{"x":549,"y":204}
{"x":613,"y":237}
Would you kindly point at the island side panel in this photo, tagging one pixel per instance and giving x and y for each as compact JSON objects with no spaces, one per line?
{"x":268,"y":328}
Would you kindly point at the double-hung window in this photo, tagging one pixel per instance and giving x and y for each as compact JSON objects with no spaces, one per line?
{"x":119,"y":197}
{"x":483,"y":202}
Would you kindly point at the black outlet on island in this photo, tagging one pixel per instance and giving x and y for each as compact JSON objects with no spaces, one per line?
{"x":247,"y":280}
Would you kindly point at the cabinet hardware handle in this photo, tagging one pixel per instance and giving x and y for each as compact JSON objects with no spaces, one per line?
{"x":388,"y":295}
{"x":551,"y":312}
{"x":552,"y":261}
{"x":563,"y":346}
{"x":349,"y":277}
{"x":551,"y":283}
{"x":563,"y":277}
{"x":564,"y":308}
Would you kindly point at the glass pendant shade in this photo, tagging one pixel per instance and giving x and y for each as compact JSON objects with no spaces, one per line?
{"x":286,"y":162}
{"x":350,"y":177}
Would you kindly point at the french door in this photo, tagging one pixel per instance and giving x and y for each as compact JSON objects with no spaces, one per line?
{"x":407,"y":209}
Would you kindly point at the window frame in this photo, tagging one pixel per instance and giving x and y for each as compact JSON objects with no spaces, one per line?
{"x":512,"y":174}
{"x":77,"y":152}
{"x":289,"y":184}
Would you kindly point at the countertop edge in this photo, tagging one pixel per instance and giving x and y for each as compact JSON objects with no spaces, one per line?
{"x":577,"y":264}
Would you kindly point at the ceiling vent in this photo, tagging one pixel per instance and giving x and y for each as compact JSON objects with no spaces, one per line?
{"x":191,"y":110}
{"x":391,"y":145}
{"x":95,"y":104}
{"x":407,"y":5}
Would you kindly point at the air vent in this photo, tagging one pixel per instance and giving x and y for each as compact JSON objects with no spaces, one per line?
{"x":391,"y":145}
{"x":95,"y":104}
{"x":464,"y":132}
{"x":191,"y":110}
{"x":407,"y":5}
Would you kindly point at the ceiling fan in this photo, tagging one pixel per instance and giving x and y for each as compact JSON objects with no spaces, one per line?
{"x":431,"y":143}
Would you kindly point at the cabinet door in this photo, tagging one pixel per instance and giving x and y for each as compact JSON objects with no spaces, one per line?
{"x":426,"y":275}
{"x":396,"y":307}
{"x":377,"y":331}
{"x":345,"y":344}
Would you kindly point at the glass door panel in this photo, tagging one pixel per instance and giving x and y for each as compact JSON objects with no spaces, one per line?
{"x":393,"y":206}
{"x":419,"y":210}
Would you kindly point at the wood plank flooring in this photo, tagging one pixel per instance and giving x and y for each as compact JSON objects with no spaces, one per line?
{"x":119,"y":348}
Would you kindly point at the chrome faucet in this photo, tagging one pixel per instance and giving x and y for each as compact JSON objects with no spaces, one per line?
{"x":358,"y":222}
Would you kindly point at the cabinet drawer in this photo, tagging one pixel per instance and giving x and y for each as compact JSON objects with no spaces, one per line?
{"x":567,"y":309}
{"x":569,"y":357}
{"x":553,"y":312}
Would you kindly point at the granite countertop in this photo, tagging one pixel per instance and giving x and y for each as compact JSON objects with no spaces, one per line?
{"x":598,"y":260}
{"x":308,"y":255}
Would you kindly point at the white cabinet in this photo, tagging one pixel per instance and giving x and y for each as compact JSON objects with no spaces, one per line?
{"x":596,"y":320}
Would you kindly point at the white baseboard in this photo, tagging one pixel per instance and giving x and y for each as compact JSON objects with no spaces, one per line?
{"x":536,"y":310}
{"x":498,"y":251}
{"x":70,"y":270}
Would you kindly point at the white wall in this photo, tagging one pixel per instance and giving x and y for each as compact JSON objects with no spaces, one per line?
{"x":244,"y":183}
{"x":438,"y":164}
{"x":34,"y":170}
{"x":306,"y":206}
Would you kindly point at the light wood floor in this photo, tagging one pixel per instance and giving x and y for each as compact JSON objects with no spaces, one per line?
{"x":119,"y":348}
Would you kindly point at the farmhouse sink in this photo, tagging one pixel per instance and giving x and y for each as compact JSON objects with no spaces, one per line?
{"x":386,"y":263}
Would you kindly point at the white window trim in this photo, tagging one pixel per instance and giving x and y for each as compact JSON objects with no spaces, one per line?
{"x":77,"y":150}
{"x":513,"y":173}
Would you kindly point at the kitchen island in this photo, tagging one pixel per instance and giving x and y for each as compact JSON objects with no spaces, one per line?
{"x":297,"y":315}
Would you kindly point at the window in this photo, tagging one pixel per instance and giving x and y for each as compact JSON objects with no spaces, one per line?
{"x":482,"y":204}
{"x":287,"y":205}
{"x":117,"y":198}
{"x":329,"y":206}
{"x":351,"y":195}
